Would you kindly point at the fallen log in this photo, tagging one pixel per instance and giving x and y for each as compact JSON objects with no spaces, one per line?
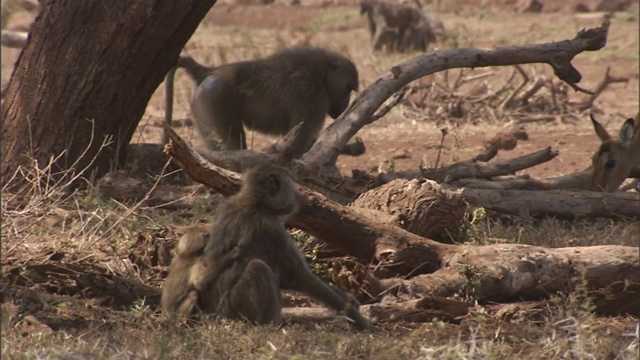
{"x":566,"y":204}
{"x":124,"y":188}
{"x":507,"y":272}
{"x":571,"y":181}
{"x":419,"y":206}
{"x":490,"y":273}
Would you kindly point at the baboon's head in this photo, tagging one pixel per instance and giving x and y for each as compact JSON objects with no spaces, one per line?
{"x":342,"y":79}
{"x":269,"y":189}
{"x":366,"y":6}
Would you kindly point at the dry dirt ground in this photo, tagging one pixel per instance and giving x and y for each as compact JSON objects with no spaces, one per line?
{"x":40,"y":322}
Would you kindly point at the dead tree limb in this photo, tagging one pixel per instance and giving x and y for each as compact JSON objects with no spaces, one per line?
{"x":424,"y":309}
{"x":576,"y":180}
{"x":557,"y":54}
{"x":496,"y":272}
{"x":608,"y":79}
{"x":497,"y":168}
{"x":580,"y":203}
{"x":506,"y":272}
{"x":419,"y":206}
{"x":343,"y":228}
{"x":479,"y":169}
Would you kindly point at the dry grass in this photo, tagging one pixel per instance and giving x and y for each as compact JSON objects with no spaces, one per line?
{"x":78,"y":330}
{"x":42,"y":318}
{"x":137,"y":333}
{"x":551,"y":232}
{"x":41,"y":321}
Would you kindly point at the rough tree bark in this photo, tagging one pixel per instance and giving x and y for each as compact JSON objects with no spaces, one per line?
{"x":85,"y":76}
{"x":567,"y":204}
{"x":419,"y":206}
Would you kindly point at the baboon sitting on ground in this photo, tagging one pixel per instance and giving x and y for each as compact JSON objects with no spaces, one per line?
{"x":239,"y":267}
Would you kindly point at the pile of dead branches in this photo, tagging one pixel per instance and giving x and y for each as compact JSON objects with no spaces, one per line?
{"x":523,"y":98}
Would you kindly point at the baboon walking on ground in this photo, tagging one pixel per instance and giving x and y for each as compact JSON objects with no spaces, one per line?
{"x":269,"y":95}
{"x":418,"y":36}
{"x":386,"y":17}
{"x":247,"y":257}
{"x":398,"y":27}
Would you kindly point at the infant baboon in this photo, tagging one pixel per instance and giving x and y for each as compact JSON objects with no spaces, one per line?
{"x":269,"y":95}
{"x":185,"y":280}
{"x":248,"y":257}
{"x":189,"y":275}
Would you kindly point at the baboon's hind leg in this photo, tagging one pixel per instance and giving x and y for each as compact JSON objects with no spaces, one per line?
{"x":189,"y":305}
{"x":255,"y":296}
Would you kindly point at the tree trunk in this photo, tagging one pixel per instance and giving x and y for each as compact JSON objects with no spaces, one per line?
{"x":85,"y":77}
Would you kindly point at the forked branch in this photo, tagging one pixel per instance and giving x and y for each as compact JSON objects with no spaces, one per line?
{"x":557,"y":54}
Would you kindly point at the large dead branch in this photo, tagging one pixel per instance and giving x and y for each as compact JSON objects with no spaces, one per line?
{"x":341,"y":227}
{"x":560,"y":203}
{"x":557,"y":54}
{"x":571,"y":181}
{"x":608,"y":79}
{"x":508,"y":271}
{"x":609,"y":301}
{"x":495,"y":272}
{"x":424,"y":309}
{"x":411,"y":200}
{"x":474,"y":168}
{"x":419,"y":206}
{"x":577,"y":180}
